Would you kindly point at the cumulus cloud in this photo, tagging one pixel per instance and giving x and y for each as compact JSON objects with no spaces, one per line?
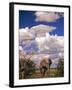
{"x":45,"y":44}
{"x":51,"y":44}
{"x":25,"y":34}
{"x":30,"y":46}
{"x":38,"y":30}
{"x":21,"y":53}
{"x":48,"y":16}
{"x":41,"y":29}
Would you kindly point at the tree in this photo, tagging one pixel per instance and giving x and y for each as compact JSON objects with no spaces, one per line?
{"x":21,"y":68}
{"x":60,"y":68}
{"x":29,"y":68}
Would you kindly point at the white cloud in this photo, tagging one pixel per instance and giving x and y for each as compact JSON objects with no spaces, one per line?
{"x":47,"y":16}
{"x":30,"y":46}
{"x":21,"y":53}
{"x":47,"y":44}
{"x":38,"y":30}
{"x":51,"y":44}
{"x":41,"y":30}
{"x":20,"y":48}
{"x":25,"y":34}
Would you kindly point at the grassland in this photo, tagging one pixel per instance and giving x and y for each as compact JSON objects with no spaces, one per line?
{"x":52,"y":73}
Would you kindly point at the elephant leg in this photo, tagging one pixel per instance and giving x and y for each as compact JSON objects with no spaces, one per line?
{"x":48,"y":69}
{"x":24,"y":74}
{"x":44,"y":71}
{"x":41,"y":71}
{"x":47,"y":72}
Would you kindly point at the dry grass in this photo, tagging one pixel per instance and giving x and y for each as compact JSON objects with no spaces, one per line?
{"x":51,"y":74}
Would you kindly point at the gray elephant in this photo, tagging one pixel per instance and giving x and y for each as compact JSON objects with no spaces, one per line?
{"x":45,"y":66}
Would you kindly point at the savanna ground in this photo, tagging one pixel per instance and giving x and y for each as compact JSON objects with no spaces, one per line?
{"x":52,"y":73}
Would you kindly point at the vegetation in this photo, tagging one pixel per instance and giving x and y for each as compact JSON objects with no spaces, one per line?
{"x":26,"y":68}
{"x":60,"y":68}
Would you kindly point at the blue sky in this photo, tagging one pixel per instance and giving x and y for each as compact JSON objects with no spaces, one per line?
{"x":27,"y":19}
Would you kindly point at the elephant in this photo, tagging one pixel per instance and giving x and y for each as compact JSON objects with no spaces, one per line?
{"x":45,"y":66}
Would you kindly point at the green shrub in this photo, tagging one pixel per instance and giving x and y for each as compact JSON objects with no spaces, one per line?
{"x":26,"y":69}
{"x":60,"y":68}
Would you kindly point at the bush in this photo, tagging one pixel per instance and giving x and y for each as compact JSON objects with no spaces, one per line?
{"x":27,"y":69}
{"x":60,"y":68}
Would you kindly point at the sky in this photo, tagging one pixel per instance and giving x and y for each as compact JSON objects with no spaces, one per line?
{"x":28,"y":19}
